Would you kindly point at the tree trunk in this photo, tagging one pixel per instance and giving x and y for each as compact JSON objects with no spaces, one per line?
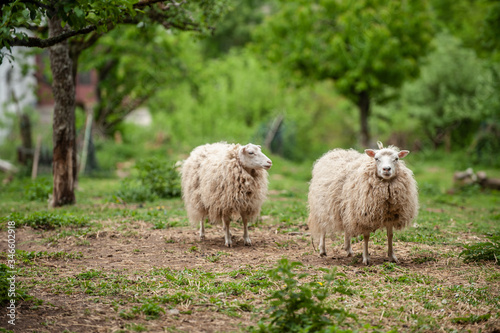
{"x":63,"y":131}
{"x":364,"y":114}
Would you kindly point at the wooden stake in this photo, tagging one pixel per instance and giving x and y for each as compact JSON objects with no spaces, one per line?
{"x":36,"y":158}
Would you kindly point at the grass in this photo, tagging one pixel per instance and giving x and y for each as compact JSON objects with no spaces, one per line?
{"x":432,"y":289}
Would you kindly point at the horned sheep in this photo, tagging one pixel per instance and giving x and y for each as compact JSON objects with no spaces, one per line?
{"x":359,"y":193}
{"x":224,"y":182}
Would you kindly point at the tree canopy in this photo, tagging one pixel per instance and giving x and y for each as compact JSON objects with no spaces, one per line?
{"x":365,"y":46}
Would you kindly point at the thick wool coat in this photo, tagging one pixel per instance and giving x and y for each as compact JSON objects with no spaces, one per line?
{"x":346,"y":195}
{"x":216,"y":184}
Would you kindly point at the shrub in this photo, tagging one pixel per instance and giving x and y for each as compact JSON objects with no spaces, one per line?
{"x":301,"y":307}
{"x":38,"y":190}
{"x":155,"y":179}
{"x":489,"y":250}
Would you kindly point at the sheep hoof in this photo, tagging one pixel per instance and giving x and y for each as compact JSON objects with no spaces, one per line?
{"x":393,"y":259}
{"x":202,"y":237}
{"x":247,"y":242}
{"x":349,"y":254}
{"x":366,"y":261}
{"x":228,"y":244}
{"x":322,"y":254}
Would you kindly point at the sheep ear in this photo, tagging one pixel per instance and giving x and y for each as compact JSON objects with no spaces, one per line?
{"x":370,"y":152}
{"x":259,"y":146}
{"x":244,"y":150}
{"x":403,"y":153}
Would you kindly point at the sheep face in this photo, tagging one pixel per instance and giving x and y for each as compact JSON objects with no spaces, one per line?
{"x":251,"y":157}
{"x":386,"y":161}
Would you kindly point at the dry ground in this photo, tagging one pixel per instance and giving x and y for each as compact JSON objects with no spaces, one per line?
{"x":141,"y":249}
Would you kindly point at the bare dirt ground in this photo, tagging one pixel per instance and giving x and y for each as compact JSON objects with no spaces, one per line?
{"x":144,"y":249}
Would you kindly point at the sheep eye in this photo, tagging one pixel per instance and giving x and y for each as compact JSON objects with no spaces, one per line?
{"x":376,"y":159}
{"x":251,"y":153}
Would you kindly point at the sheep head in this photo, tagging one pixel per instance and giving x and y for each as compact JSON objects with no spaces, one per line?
{"x":251,"y":157}
{"x":387,"y":161}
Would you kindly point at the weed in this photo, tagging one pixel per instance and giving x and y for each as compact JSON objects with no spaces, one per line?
{"x":4,"y":283}
{"x":150,"y":309}
{"x":421,"y":260}
{"x":89,"y":275}
{"x":217,"y":256}
{"x":29,"y":257}
{"x":174,"y":299}
{"x":9,"y":288}
{"x":300,"y":307}
{"x":136,"y":327}
{"x":472,"y":319}
{"x":489,"y":250}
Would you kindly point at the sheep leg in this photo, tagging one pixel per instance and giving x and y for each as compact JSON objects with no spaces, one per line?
{"x":322,"y":247}
{"x":202,"y":229}
{"x":347,"y":244}
{"x":227,"y":233}
{"x":246,"y":238}
{"x":390,"y":251}
{"x":366,"y":255}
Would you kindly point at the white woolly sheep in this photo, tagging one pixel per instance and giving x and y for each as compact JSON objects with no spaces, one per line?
{"x":360,"y":193}
{"x":224,"y":181}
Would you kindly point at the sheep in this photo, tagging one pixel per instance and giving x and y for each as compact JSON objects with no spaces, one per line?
{"x":360,"y":193}
{"x":222,"y":181}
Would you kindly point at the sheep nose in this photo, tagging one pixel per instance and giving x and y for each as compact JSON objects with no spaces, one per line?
{"x":386,"y":168}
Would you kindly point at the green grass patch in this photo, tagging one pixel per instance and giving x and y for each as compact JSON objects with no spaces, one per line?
{"x":46,"y":220}
{"x":472,"y":319}
{"x":489,"y":250}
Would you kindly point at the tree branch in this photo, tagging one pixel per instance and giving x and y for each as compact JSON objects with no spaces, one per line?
{"x":44,"y":43}
{"x":48,"y":42}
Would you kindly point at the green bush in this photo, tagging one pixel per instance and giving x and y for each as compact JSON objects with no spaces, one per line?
{"x":301,"y":307}
{"x":155,"y":178}
{"x":38,"y":190}
{"x":489,"y":250}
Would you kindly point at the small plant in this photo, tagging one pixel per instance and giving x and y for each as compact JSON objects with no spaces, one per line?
{"x":6,"y":293}
{"x":4,"y":284}
{"x":127,"y":315}
{"x":489,"y":250}
{"x":89,"y":275}
{"x":472,"y":319}
{"x":136,"y":327}
{"x":29,"y":257}
{"x":151,"y":310}
{"x":300,"y":307}
{"x":421,"y":260}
